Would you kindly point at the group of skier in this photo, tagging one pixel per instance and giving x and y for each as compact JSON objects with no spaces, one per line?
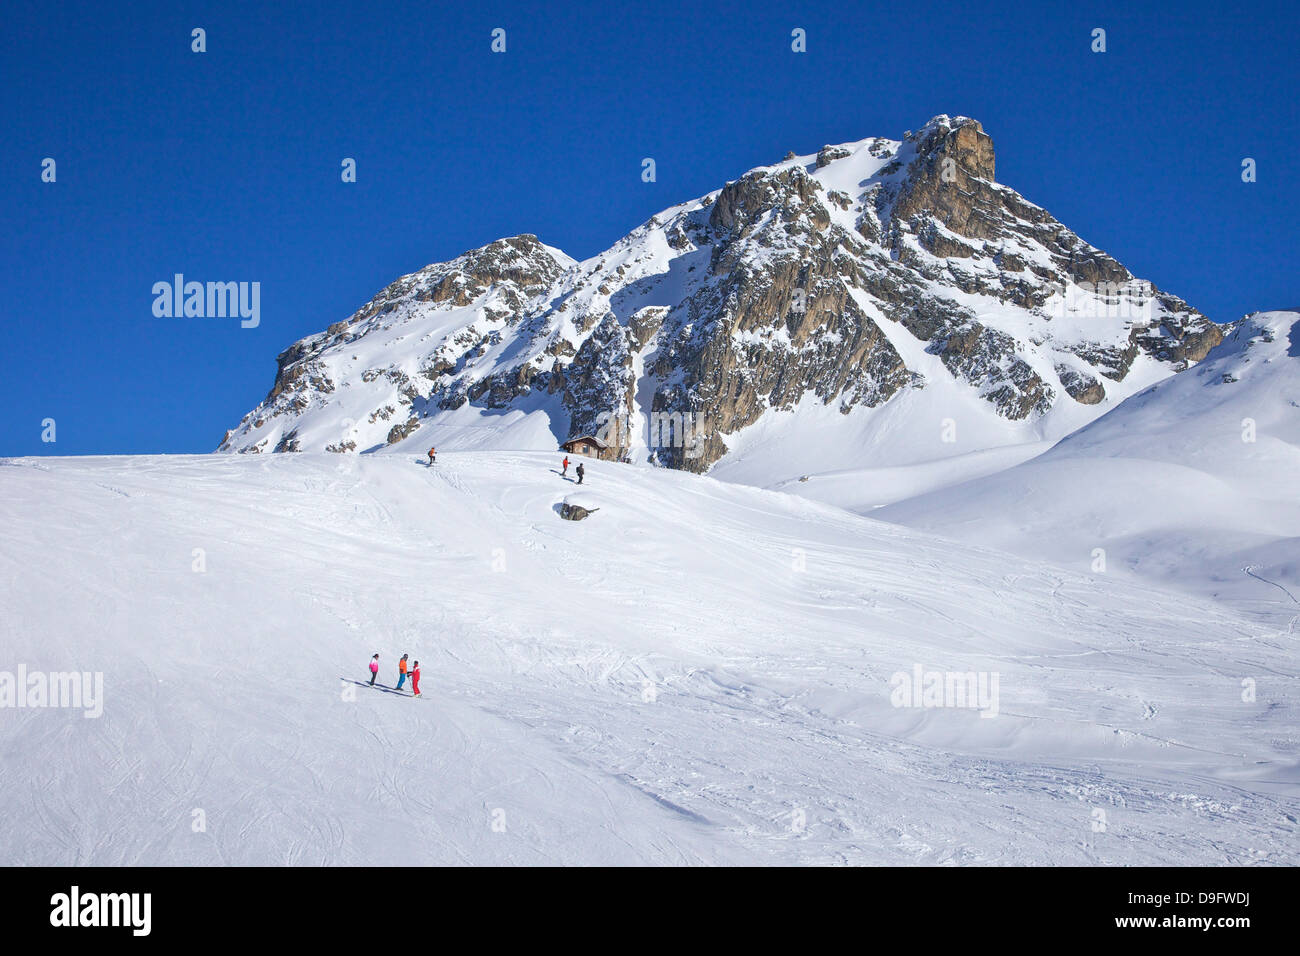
{"x":403,"y":672}
{"x":564,"y":473}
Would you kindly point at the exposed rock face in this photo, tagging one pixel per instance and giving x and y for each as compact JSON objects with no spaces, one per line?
{"x":806,"y":281}
{"x":777,"y":323}
{"x":829,"y":154}
{"x":987,"y":358}
{"x":645,"y":324}
{"x":598,"y":383}
{"x":1081,"y":387}
{"x":951,"y":179}
{"x":399,"y":432}
{"x":288,"y":442}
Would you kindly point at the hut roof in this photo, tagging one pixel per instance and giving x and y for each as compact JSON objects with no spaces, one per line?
{"x":591,"y":439}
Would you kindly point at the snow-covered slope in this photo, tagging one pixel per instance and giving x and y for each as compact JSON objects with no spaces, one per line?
{"x":871,"y":293}
{"x":1194,"y":483}
{"x":697,"y":672}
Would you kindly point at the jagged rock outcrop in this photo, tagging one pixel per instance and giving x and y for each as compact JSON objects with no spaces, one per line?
{"x":1081,"y":387}
{"x":405,"y":430}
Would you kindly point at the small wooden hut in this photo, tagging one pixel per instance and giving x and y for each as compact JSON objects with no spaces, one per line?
{"x":588,"y":445}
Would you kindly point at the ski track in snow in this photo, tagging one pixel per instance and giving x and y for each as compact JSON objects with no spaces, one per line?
{"x":655,"y":684}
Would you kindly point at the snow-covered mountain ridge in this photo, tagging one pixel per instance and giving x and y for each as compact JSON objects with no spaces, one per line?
{"x":892,"y":283}
{"x":1191,"y":483}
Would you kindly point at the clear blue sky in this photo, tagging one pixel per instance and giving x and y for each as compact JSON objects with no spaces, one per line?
{"x":225,"y":165}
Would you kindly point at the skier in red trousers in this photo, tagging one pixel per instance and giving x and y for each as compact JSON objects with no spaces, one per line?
{"x":415,"y":679}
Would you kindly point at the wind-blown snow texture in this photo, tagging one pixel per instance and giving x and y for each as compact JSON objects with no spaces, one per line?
{"x":696,"y":673}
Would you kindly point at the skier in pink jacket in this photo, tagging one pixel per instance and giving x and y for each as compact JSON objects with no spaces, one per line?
{"x":374,"y":669}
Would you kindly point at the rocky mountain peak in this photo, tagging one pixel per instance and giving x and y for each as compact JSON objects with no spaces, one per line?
{"x":847,"y":279}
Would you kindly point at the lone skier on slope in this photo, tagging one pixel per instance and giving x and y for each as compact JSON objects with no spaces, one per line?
{"x":401,"y":672}
{"x":565,"y":463}
{"x":432,"y":452}
{"x":415,"y":680}
{"x":581,"y":472}
{"x":374,"y":669}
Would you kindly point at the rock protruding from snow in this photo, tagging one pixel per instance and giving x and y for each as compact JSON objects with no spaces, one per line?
{"x":578,"y":506}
